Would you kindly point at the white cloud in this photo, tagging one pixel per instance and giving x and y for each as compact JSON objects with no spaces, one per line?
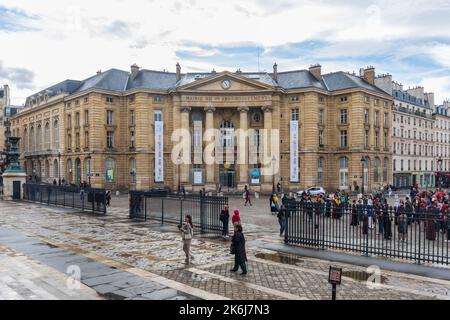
{"x":72,"y":42}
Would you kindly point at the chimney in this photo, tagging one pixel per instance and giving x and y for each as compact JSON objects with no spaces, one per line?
{"x":369,"y":75}
{"x":99,"y":72}
{"x":134,"y":71}
{"x":316,"y":71}
{"x":275,"y":72}
{"x":178,"y":72}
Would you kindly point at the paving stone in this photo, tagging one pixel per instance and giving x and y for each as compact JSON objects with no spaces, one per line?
{"x":119,"y":295}
{"x":105,"y":288}
{"x":179,"y":298}
{"x":105,"y":279}
{"x":161,"y":294}
{"x":129,"y":282}
{"x":147,"y":288}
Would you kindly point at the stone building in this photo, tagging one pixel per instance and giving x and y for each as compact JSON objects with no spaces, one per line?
{"x":442,"y":136}
{"x":115,"y":129}
{"x":414,"y":137}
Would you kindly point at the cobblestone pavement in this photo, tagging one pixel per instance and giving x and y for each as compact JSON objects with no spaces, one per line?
{"x":155,"y":250}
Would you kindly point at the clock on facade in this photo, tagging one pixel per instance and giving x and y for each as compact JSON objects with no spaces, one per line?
{"x":226,"y":84}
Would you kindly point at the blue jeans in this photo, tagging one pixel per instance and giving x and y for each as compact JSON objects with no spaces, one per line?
{"x":282,"y":223}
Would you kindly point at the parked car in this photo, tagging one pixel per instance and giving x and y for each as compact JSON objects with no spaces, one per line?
{"x":314,"y":191}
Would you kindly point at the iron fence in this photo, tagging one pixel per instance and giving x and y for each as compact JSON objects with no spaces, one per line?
{"x":86,"y":199}
{"x":173,"y":208}
{"x":418,"y":235}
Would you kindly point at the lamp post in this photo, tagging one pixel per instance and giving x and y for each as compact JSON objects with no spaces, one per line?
{"x":273,"y":173}
{"x":363,"y":165}
{"x":439,"y":161}
{"x":59,"y":168}
{"x":179,"y":159}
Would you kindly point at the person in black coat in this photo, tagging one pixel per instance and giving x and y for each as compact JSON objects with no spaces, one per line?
{"x":225,"y":218}
{"x":238,"y":249}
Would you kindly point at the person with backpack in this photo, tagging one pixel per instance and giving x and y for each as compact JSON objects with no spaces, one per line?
{"x":225,"y":218}
{"x":236,"y":219}
{"x":187,"y":233}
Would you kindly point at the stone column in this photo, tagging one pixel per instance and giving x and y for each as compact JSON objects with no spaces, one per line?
{"x":267,"y":179}
{"x":184,"y":167}
{"x":243,"y":147}
{"x":210,"y":168}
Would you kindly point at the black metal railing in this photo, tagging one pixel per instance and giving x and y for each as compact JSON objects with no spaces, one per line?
{"x":173,"y":208}
{"x":418,"y":235}
{"x":86,"y":199}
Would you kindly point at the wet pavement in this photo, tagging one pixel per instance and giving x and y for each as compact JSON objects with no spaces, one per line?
{"x":148,"y":256}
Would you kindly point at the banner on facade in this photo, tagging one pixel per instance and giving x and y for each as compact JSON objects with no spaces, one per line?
{"x":159,"y":151}
{"x":294,"y":152}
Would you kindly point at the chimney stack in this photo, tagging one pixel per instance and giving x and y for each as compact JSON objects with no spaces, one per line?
{"x":134,"y":71}
{"x":275,"y":72}
{"x":178,"y":72}
{"x":316,"y":71}
{"x":369,"y":75}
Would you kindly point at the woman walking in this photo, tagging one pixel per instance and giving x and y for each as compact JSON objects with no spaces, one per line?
{"x":225,"y":218}
{"x":236,"y":219}
{"x":238,"y":249}
{"x":187,"y":233}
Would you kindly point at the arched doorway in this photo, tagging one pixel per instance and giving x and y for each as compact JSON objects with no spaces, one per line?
{"x":77,"y":171}
{"x":69,"y":171}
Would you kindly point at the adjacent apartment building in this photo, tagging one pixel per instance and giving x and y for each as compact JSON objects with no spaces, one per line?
{"x":420,"y":137}
{"x":114,"y":129}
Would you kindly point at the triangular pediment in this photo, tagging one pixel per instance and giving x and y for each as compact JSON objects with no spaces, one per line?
{"x":225,"y":82}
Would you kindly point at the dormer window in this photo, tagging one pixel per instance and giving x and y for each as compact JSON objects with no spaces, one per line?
{"x":157,"y":99}
{"x":295,"y":98}
{"x":344,"y":98}
{"x":109,"y":100}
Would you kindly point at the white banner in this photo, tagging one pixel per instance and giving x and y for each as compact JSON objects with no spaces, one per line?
{"x":159,"y":151}
{"x":294,"y":152}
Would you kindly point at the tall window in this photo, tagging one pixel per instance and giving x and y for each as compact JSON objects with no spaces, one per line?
{"x":377,"y":118}
{"x":320,"y":170}
{"x":86,"y":117}
{"x":321,"y":118}
{"x":25,"y":138}
{"x":39,"y":137}
{"x":110,"y":170}
{"x":158,"y":115}
{"x":69,"y":170}
{"x":321,"y":138}
{"x":131,"y":117}
{"x":132,"y":139}
{"x":87,"y":167}
{"x":55,"y":169}
{"x":77,"y":140}
{"x":109,"y":117}
{"x":385,"y":120}
{"x":376,"y":168}
{"x":77,"y":119}
{"x":69,"y":121}
{"x":133,"y":170}
{"x":295,"y":114}
{"x":47,"y":136}
{"x":86,"y":139}
{"x":69,"y":141}
{"x":110,"y":139}
{"x":377,"y":139}
{"x":366,"y":139}
{"x":366,"y":116}
{"x":343,"y":138}
{"x":343,"y":116}
{"x":343,"y":172}
{"x":56,"y":134}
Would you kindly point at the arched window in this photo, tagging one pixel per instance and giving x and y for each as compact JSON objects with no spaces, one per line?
{"x":320,"y":170}
{"x":56,"y":134}
{"x":366,"y":173}
{"x":47,"y":136}
{"x":69,"y":170}
{"x":77,"y":171}
{"x":87,"y":167}
{"x":39,"y":137}
{"x":376,"y":170}
{"x":133,"y":170}
{"x":343,"y":173}
{"x":110,"y":170}
{"x":47,"y":169}
{"x":385,"y":169}
{"x":55,"y":169}
{"x":32,"y":147}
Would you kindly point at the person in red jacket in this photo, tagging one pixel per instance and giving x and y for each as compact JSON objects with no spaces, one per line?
{"x":236,"y":220}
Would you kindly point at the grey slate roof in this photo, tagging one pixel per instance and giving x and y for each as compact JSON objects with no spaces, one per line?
{"x":299,"y":79}
{"x":120,"y":81}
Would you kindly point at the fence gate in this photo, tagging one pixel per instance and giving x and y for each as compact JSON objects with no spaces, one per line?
{"x":173,"y":208}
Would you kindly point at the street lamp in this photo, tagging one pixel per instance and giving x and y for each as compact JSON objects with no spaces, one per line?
{"x":439,"y":161}
{"x":179,"y":159}
{"x":363,"y":164}
{"x":59,"y":168}
{"x":273,"y":173}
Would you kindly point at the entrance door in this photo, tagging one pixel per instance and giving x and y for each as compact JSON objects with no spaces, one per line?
{"x":227,"y":176}
{"x":16,"y":190}
{"x":414,"y":179}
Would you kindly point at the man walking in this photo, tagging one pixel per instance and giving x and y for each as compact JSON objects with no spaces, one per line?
{"x":225,"y":218}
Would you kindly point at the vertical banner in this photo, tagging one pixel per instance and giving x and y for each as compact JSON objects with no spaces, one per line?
{"x":159,"y":151}
{"x":294,"y":151}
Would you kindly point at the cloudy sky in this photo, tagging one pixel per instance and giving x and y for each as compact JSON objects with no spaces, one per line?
{"x":43,"y":42}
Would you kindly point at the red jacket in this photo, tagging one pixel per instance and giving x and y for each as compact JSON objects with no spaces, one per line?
{"x":236,"y":217}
